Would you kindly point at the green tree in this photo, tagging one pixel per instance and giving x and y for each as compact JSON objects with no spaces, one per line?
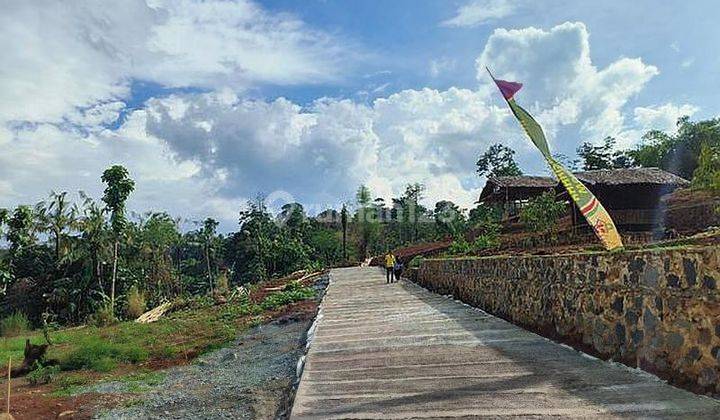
{"x":20,"y":231}
{"x":449,"y":218}
{"x":707,"y":173}
{"x":4,"y":215}
{"x":208,"y":235}
{"x":413,"y":211}
{"x":252,"y":245}
{"x":542,"y":213}
{"x":119,"y":187}
{"x":158,"y":235}
{"x":94,"y":236}
{"x":366,"y":218}
{"x":57,"y":216}
{"x":678,"y":153}
{"x":603,"y":156}
{"x":292,"y":216}
{"x":497,"y":161}
{"x":344,"y":222}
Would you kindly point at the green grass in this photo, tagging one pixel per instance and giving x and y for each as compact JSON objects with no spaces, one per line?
{"x":101,"y":355}
{"x":15,"y":324}
{"x":186,"y":332}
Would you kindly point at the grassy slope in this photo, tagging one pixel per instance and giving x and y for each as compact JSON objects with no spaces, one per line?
{"x":137,"y":348}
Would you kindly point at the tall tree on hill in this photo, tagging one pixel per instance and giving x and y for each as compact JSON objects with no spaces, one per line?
{"x":449,"y":218}
{"x":159,"y":234}
{"x":208,"y":233}
{"x":119,"y":187}
{"x":57,"y":216}
{"x":20,"y":232}
{"x":365,"y":217}
{"x":94,"y":235}
{"x":344,"y":221}
{"x":4,"y":214}
{"x":411,"y":200}
{"x":497,"y":161}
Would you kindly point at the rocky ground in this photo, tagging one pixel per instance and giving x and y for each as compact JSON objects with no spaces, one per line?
{"x":253,"y":378}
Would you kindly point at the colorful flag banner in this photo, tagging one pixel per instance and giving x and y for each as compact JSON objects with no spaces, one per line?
{"x":589,"y":206}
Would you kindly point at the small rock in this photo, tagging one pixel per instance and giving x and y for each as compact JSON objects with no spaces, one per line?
{"x":675,"y":341}
{"x":620,"y":333}
{"x":673,"y":280}
{"x":637,"y":336}
{"x":708,"y":376}
{"x":230,"y":356}
{"x":704,"y":336}
{"x":650,"y":277}
{"x":650,"y":321}
{"x":694,"y":354}
{"x":690,"y":271}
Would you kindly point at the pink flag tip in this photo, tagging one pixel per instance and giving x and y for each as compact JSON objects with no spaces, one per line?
{"x":508,"y":89}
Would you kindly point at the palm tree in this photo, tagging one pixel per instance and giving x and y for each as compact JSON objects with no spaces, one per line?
{"x":57,"y":216}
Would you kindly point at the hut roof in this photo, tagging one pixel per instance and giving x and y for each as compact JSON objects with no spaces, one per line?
{"x":518,"y":186}
{"x":523,"y":181}
{"x":648,"y":176}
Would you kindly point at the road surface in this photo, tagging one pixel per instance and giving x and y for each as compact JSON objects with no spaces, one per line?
{"x":399,"y":351}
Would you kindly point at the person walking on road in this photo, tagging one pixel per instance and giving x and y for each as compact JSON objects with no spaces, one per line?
{"x":389,"y":267}
{"x":397,"y":270}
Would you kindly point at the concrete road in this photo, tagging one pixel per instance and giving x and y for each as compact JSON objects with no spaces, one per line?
{"x":399,"y":351}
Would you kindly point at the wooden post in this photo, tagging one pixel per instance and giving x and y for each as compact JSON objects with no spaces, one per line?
{"x":8,"y":389}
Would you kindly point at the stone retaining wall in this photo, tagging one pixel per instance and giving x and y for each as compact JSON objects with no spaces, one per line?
{"x":658,"y":310}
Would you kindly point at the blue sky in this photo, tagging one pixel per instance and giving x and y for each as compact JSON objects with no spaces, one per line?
{"x":209,"y":103}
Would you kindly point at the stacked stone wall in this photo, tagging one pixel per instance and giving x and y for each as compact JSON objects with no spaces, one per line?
{"x":657,"y":310}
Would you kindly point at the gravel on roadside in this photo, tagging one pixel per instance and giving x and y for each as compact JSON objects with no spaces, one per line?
{"x":253,"y":378}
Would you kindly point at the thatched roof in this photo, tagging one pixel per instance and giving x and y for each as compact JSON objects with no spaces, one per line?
{"x":515,"y":187}
{"x":647,"y":176}
{"x":524,"y":187}
{"x":523,"y":181}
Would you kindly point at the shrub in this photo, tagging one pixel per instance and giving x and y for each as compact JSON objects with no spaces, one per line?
{"x":277,"y":299}
{"x":42,"y":374}
{"x":459,"y":247}
{"x":485,"y":241}
{"x":14,"y":324}
{"x":416,"y":261}
{"x":707,"y":173}
{"x":101,"y":355}
{"x":542,"y":212}
{"x":102,"y":317}
{"x":221,"y":284}
{"x":135,"y":303}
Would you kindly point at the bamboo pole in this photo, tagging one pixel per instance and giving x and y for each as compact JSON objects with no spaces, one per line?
{"x":8,"y":388}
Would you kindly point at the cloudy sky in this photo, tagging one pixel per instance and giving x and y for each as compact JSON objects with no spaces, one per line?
{"x":209,"y":103}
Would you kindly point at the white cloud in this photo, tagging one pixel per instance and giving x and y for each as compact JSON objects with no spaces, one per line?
{"x":441,"y":65}
{"x":562,"y":84}
{"x":65,"y":55}
{"x":660,"y":117}
{"x":478,"y":12}
{"x":198,"y":154}
{"x":323,"y":152}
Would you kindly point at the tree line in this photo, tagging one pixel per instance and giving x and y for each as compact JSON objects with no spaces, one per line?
{"x":68,"y":261}
{"x":88,"y":260}
{"x":694,"y":145}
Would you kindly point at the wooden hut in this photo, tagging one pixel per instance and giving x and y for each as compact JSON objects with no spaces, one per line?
{"x":631,"y":196}
{"x":513,"y":191}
